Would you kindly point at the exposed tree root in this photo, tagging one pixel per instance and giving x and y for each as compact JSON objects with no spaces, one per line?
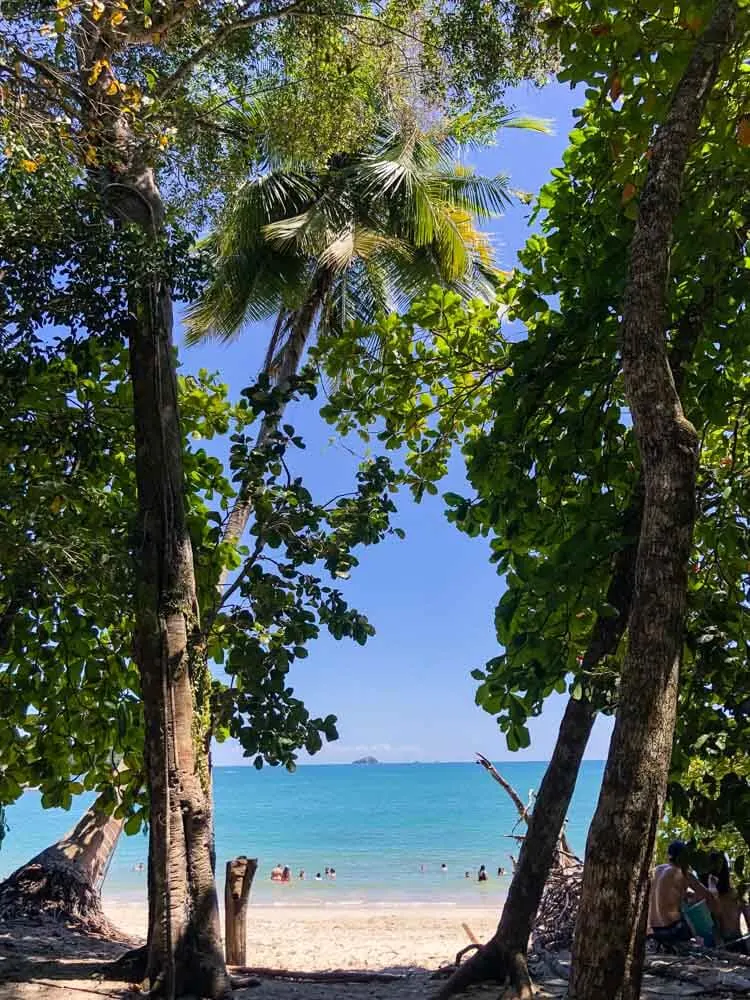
{"x":52,"y":886}
{"x":130,"y":967}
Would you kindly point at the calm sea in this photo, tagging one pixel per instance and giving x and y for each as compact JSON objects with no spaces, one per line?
{"x":385,"y":828}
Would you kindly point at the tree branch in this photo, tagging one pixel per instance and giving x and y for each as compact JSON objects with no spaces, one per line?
{"x":205,"y":50}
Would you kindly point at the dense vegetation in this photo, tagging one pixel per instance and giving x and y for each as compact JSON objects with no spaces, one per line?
{"x":596,"y":393}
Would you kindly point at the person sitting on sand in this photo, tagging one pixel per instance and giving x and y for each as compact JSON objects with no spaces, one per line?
{"x":670,"y":886}
{"x":482,"y":874}
{"x":277,"y":873}
{"x":726,"y":905}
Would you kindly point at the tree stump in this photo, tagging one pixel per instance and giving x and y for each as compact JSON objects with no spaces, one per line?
{"x":240,"y":874}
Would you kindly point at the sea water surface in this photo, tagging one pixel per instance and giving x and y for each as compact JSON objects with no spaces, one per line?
{"x":385,"y":828}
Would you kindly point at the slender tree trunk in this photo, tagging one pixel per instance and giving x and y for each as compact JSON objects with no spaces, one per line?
{"x":299,"y":326}
{"x":505,"y":954}
{"x":64,"y":880}
{"x":185,"y":953}
{"x":609,"y":941}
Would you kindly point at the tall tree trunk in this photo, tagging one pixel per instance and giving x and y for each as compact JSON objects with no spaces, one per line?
{"x":64,"y":880}
{"x":504,"y":955}
{"x":185,"y":952}
{"x":281,"y":367}
{"x":609,"y":941}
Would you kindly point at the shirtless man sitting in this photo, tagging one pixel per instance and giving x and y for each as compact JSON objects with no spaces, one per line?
{"x":669,"y":888}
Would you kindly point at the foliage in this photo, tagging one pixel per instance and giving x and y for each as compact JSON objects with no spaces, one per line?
{"x":186,"y":81}
{"x":542,"y":419}
{"x":70,"y":689}
{"x":368,"y":232}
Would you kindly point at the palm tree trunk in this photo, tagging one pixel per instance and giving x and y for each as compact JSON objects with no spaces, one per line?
{"x":282,"y":371}
{"x":184,"y":942}
{"x":609,"y":941}
{"x":64,"y":880}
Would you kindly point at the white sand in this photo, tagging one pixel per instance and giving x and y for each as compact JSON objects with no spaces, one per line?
{"x":345,"y":937}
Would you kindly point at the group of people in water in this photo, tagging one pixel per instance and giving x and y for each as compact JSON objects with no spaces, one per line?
{"x":482,"y":874}
{"x":684,"y":906}
{"x":284,"y":874}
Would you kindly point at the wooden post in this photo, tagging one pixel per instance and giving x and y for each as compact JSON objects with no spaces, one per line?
{"x":240,"y":874}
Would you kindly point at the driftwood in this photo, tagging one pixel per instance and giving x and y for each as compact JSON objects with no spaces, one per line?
{"x":556,"y":917}
{"x":523,"y":811}
{"x":335,"y":976}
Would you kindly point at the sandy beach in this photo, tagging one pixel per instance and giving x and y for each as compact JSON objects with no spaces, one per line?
{"x":47,"y":961}
{"x":344,"y":937}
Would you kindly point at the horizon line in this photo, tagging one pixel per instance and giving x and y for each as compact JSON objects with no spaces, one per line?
{"x":406,"y":763}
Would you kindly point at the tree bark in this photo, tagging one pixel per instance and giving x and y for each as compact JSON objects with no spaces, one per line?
{"x":64,"y":880}
{"x":239,"y":879}
{"x":184,"y":941}
{"x":609,"y":943}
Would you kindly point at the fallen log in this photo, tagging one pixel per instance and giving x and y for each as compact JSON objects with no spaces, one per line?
{"x":334,"y":976}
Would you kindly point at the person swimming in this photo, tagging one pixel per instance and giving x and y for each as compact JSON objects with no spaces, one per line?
{"x":444,"y":867}
{"x":482,"y":874}
{"x":277,"y":873}
{"x":286,"y":875}
{"x":467,"y":874}
{"x":302,"y":873}
{"x":332,"y":873}
{"x":318,"y":877}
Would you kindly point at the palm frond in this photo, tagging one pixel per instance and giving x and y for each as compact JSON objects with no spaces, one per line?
{"x":482,"y":197}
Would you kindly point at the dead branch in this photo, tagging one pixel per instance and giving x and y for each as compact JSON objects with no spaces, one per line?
{"x":523,"y":811}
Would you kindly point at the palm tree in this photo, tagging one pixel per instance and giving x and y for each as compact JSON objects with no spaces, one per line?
{"x":368,"y":232}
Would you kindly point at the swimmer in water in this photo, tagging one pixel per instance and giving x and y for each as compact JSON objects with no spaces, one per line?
{"x":444,"y":867}
{"x":318,"y":877}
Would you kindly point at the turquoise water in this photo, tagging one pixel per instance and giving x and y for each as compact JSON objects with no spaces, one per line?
{"x":385,"y":828}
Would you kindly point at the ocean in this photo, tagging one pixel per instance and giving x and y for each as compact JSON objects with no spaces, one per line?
{"x":386,"y":829}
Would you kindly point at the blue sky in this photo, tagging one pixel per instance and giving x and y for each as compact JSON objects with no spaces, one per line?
{"x":407,"y":695}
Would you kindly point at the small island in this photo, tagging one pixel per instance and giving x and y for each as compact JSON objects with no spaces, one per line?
{"x":366,"y":760}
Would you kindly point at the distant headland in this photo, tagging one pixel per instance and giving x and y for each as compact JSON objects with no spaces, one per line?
{"x":366,"y":760}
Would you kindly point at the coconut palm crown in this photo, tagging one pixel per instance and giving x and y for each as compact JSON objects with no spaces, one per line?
{"x":368,"y":232}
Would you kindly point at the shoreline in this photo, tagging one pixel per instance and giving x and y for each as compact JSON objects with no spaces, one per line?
{"x":364,"y":936}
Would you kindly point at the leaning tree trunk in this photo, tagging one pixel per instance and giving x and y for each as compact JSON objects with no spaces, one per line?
{"x":184,"y":943}
{"x":609,"y":942}
{"x":504,"y":955}
{"x":64,"y":880}
{"x":281,"y":368}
